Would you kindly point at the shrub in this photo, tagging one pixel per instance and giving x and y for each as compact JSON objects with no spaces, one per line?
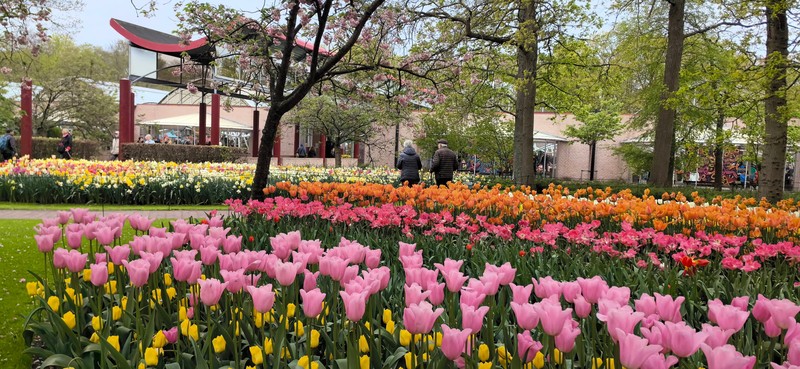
{"x":182,"y":153}
{"x":45,"y":147}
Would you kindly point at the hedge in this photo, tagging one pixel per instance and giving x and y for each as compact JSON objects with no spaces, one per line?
{"x":45,"y":147}
{"x":182,"y":153}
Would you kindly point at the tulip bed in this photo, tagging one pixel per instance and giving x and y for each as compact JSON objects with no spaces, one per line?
{"x":327,"y":275}
{"x":149,"y":182}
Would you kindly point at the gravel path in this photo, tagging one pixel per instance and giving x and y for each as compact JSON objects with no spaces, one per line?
{"x":154,"y":214}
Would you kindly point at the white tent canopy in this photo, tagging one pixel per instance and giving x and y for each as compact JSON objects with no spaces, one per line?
{"x":193,"y":120}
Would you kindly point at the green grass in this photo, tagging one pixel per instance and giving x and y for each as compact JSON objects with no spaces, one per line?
{"x":94,"y":207}
{"x":18,"y":256}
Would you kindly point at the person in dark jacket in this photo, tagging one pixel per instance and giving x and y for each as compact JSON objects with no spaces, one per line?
{"x":444,"y":163}
{"x":65,"y":146}
{"x":409,"y":164}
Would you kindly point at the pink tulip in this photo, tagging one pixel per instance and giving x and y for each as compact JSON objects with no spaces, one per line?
{"x":505,"y":272}
{"x":786,"y":365}
{"x":406,"y":248}
{"x":186,"y":270}
{"x":286,"y":272}
{"x":217,"y":231}
{"x":546,"y":287}
{"x":526,"y":314}
{"x":622,"y":295}
{"x":333,"y":267}
{"x":593,"y":288}
{"x":582,"y":307}
{"x":372,"y":258}
{"x":60,"y":258}
{"x":565,"y":341}
{"x":552,"y":315}
{"x":235,"y":280}
{"x":63,"y":217}
{"x":419,"y":318}
{"x":283,"y":244}
{"x":104,"y":235}
{"x":792,"y":333}
{"x":669,"y":309}
{"x":414,"y":294}
{"x":99,"y":274}
{"x":310,"y":279}
{"x":263,"y":297}
{"x":760,"y":310}
{"x":634,"y":350}
{"x":527,"y":348}
{"x":211,"y":291}
{"x":313,"y":248}
{"x":684,"y":341}
{"x":76,"y":261}
{"x":783,"y":312}
{"x":645,"y":304}
{"x":349,"y":273}
{"x":454,"y":341}
{"x":437,"y":293}
{"x":726,"y":316}
{"x":490,"y":282}
{"x":354,"y":304}
{"x":726,"y":357}
{"x":312,"y":302}
{"x":471,"y":297}
{"x":717,"y":336}
{"x":659,"y":361}
{"x":741,"y":302}
{"x":620,"y":319}
{"x":793,"y":356}
{"x":771,"y":329}
{"x":454,"y":280}
{"x":197,"y":241}
{"x":449,"y":266}
{"x":472,"y":317}
{"x":100,"y":257}
{"x":44,"y":243}
{"x":118,"y":254}
{"x":521,"y":294}
{"x":232,"y":244}
{"x":570,"y":290}
{"x":153,"y":258}
{"x":209,"y":255}
{"x":171,"y":334}
{"x":412,"y":261}
{"x":138,"y":271}
{"x":74,"y":239}
{"x":216,"y":222}
{"x":79,"y":214}
{"x":177,"y":240}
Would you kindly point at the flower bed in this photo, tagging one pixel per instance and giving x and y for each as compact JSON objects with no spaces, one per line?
{"x":149,"y":182}
{"x":257,"y":294}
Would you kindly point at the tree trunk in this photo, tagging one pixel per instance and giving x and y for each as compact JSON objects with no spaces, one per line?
{"x":663,"y":150}
{"x":718,"y":153}
{"x":261,"y":175}
{"x":337,"y":154}
{"x":527,"y":53}
{"x":592,"y":154}
{"x":771,"y":175}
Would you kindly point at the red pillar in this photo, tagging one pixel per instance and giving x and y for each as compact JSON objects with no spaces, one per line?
{"x":322,"y":151}
{"x":276,"y":148}
{"x":26,"y":125}
{"x":125,"y":134}
{"x":355,"y":150}
{"x":255,"y":133}
{"x":215,"y":119}
{"x":201,"y":139}
{"x":132,"y":122}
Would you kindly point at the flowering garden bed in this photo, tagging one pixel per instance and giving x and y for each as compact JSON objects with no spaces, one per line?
{"x":372,"y":276}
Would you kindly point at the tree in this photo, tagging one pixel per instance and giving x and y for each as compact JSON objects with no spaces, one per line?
{"x":283,"y":68}
{"x":526,"y":26}
{"x":598,"y":123}
{"x":345,"y":119}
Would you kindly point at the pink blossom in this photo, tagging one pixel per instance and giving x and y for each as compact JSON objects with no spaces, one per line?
{"x":634,"y":350}
{"x":521,"y":294}
{"x":138,"y":271}
{"x":527,"y":348}
{"x":211,"y":291}
{"x":582,"y":307}
{"x":683,"y":339}
{"x":454,"y":341}
{"x":419,"y":318}
{"x":620,"y":319}
{"x":472,"y":317}
{"x":593,"y":288}
{"x":717,"y":336}
{"x":312,"y":302}
{"x":526,"y":314}
{"x":552,"y":315}
{"x":565,"y":341}
{"x":546,"y":287}
{"x":414,"y":294}
{"x":669,"y":308}
{"x":99,"y":274}
{"x":354,"y":304}
{"x":726,"y":357}
{"x":263,"y":297}
{"x":726,"y":316}
{"x":44,"y":242}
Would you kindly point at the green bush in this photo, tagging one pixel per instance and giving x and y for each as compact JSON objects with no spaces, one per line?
{"x":45,"y":147}
{"x":183,"y":153}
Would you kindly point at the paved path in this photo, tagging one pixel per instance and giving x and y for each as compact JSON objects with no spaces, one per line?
{"x":154,"y":214}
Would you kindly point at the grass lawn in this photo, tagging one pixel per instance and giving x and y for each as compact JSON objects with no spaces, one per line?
{"x":98,"y":207}
{"x":18,"y":255}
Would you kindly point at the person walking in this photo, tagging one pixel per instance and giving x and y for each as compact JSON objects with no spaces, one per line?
{"x":444,"y":163}
{"x":301,"y":151}
{"x":65,"y":146}
{"x":8,"y":145}
{"x":409,"y":164}
{"x":115,"y":145}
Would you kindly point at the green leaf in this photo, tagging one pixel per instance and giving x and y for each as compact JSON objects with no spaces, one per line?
{"x":119,"y":360}
{"x":59,"y":360}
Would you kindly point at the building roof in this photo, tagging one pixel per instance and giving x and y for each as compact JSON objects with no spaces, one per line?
{"x":193,"y":120}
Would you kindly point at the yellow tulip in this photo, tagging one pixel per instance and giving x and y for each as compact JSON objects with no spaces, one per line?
{"x":94,"y":338}
{"x":219,"y":344}
{"x":97,"y":323}
{"x":167,"y":279}
{"x":314,"y":338}
{"x":159,"y":340}
{"x":116,"y":313}
{"x":538,"y":361}
{"x":409,"y":360}
{"x":113,"y":341}
{"x":256,"y":355}
{"x":110,"y":287}
{"x":483,"y":352}
{"x":285,"y":354}
{"x":124,"y":302}
{"x":185,"y":327}
{"x":558,"y":357}
{"x":387,"y":316}
{"x":31,"y":287}
{"x":151,"y":356}
{"x":485,"y":365}
{"x":306,"y":363}
{"x":405,"y":337}
{"x":364,"y":361}
{"x":438,"y":338}
{"x":363,"y":344}
{"x":298,"y":329}
{"x":87,"y":275}
{"x":182,"y":313}
{"x":110,"y":268}
{"x":69,"y":319}
{"x":390,"y":327}
{"x":54,"y":303}
{"x":258,"y":319}
{"x":597,"y":363}
{"x":193,"y":332}
{"x":290,"y":309}
{"x":171,"y":293}
{"x":268,"y":346}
